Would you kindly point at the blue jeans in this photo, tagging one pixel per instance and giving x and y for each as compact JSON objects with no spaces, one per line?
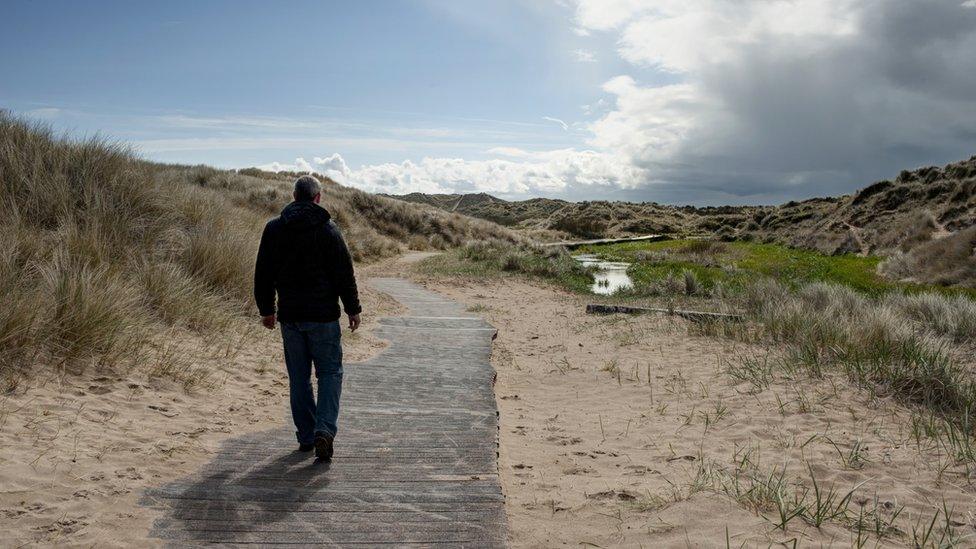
{"x":318,"y":343}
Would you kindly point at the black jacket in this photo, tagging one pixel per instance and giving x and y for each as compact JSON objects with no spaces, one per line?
{"x":303,"y":257}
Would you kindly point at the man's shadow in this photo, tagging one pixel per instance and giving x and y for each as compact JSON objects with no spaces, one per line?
{"x":226,"y":502}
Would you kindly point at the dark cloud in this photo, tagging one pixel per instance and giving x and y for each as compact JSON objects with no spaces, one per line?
{"x":805,"y":116}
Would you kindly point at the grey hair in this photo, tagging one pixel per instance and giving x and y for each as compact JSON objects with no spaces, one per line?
{"x":306,"y":187}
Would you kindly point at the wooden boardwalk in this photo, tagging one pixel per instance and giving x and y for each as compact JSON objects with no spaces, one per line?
{"x":415,"y":459}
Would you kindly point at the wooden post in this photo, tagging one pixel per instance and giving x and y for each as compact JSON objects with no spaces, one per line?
{"x":698,"y":316}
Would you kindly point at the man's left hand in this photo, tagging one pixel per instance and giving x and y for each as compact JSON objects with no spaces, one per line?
{"x":353,"y":322}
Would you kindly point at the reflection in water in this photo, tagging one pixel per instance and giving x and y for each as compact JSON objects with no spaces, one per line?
{"x":610,"y":275}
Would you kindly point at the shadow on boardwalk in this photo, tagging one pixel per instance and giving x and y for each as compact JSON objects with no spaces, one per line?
{"x":273,"y":488}
{"x":415,"y":460}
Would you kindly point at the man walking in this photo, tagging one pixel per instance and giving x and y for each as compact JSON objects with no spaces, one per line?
{"x":304,"y":259}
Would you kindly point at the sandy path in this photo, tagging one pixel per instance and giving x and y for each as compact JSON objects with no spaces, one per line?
{"x":610,"y":424}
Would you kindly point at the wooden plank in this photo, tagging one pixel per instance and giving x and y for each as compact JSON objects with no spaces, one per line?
{"x":698,"y":316}
{"x":415,"y":460}
{"x":577,"y":243}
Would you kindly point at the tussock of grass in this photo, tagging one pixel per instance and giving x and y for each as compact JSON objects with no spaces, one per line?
{"x":900,"y":344}
{"x":953,"y":317}
{"x":177,"y":298}
{"x":785,"y":500}
{"x":93,"y":313}
{"x":101,"y":246}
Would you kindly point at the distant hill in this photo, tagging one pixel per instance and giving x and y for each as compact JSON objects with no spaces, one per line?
{"x":563,"y":219}
{"x":925,"y":203}
{"x":917,"y":206}
{"x":491,"y":208}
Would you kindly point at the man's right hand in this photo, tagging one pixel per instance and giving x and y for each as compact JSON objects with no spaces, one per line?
{"x":268,"y":321}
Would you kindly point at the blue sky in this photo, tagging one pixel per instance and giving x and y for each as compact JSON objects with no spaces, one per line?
{"x":382,"y":80}
{"x":693,"y":101}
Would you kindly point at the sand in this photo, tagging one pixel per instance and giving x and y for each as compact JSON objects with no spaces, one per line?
{"x":77,"y":450}
{"x":607,"y":421}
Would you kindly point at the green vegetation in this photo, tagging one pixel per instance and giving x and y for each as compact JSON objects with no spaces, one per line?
{"x":683,"y":268}
{"x":736,"y":265}
{"x":493,"y":258}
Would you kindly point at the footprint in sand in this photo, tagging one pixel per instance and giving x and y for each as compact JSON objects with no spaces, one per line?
{"x":130,"y":473}
{"x":622,"y":495}
{"x":640,"y":470}
{"x":163,"y":410}
{"x":578,"y":470}
{"x":564,"y":441}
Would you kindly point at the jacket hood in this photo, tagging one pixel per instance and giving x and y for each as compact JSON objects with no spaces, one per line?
{"x":304,"y":215}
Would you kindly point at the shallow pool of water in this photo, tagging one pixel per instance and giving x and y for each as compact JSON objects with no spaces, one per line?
{"x":609,"y":277}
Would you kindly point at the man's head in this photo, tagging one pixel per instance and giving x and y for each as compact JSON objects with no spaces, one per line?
{"x":307,"y":189}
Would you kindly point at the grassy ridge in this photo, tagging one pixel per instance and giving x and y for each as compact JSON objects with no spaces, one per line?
{"x":101,"y":250}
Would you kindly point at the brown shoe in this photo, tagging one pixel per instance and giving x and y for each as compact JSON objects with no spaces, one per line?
{"x":323,"y":446}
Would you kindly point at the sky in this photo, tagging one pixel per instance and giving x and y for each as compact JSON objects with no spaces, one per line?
{"x":701,"y":102}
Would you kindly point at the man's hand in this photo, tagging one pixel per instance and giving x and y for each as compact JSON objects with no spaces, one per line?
{"x":268,"y":321}
{"x":353,"y":322}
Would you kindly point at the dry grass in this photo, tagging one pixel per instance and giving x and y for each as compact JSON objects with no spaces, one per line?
{"x":90,"y":228}
{"x":101,"y":249}
{"x":915,"y":347}
{"x":949,"y":261}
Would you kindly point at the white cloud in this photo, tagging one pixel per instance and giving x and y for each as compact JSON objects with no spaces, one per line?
{"x":684,"y":35}
{"x":584,"y":56}
{"x":522,"y":173}
{"x":557,"y":121}
{"x":608,"y":14}
{"x":649,"y":123}
{"x":229,"y":122}
{"x":47,"y":113}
